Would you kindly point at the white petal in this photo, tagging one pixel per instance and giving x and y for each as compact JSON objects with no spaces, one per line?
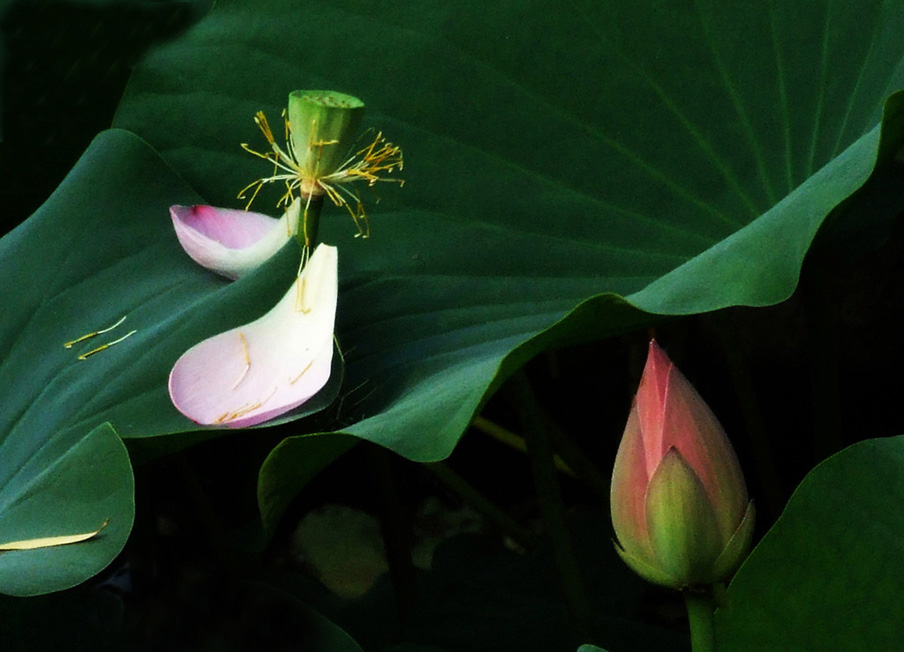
{"x":258,"y":371}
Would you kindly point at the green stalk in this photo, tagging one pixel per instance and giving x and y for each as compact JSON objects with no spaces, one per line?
{"x":552,"y":506}
{"x":700,"y":611}
{"x":510,"y":439}
{"x":578,"y":462}
{"x":397,"y":535}
{"x":310,"y":222}
{"x":466,"y":491}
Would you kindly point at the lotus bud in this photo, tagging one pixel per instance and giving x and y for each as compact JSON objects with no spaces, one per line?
{"x":680,"y":509}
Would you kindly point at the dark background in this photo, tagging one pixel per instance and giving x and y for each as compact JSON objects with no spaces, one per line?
{"x":64,"y":67}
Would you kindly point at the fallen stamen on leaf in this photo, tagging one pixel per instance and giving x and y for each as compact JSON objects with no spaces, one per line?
{"x":50,"y":542}
{"x":85,"y":356}
{"x":68,"y":345}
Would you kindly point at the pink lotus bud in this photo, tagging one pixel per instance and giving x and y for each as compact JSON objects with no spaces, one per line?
{"x":679,"y":502}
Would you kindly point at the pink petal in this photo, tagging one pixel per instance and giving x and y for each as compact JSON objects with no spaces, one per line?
{"x":691,"y":427}
{"x":650,"y":405}
{"x":628,"y":490}
{"x":232,"y":242}
{"x":258,"y":371}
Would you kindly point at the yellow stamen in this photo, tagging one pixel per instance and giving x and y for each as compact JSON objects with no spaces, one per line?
{"x":226,"y":417}
{"x":247,"y":361}
{"x":367,"y":164}
{"x":68,"y":345}
{"x":303,"y":372}
{"x":299,"y":296}
{"x":85,"y":356}
{"x":264,"y":126}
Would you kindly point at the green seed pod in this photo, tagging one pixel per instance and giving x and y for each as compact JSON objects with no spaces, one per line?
{"x":323,"y":126}
{"x":321,"y":156}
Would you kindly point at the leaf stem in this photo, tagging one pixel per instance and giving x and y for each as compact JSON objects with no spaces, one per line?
{"x":552,"y":506}
{"x":397,"y":535}
{"x":700,"y":611}
{"x":577,"y":461}
{"x":510,"y":439}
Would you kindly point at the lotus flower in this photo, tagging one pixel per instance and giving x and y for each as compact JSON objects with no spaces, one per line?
{"x":258,"y":371}
{"x":320,"y":128}
{"x":270,"y":366}
{"x":232,"y":242}
{"x":678,"y":498}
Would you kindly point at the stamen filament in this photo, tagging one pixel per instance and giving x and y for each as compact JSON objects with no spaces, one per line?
{"x":247,"y":361}
{"x":294,"y":168}
{"x":68,"y":345}
{"x":299,"y":296}
{"x":303,"y":372}
{"x":226,"y":417}
{"x":85,"y":356}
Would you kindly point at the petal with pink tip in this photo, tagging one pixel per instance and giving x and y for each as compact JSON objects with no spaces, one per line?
{"x":628,"y":490}
{"x":650,"y":404}
{"x":232,"y":242}
{"x":258,"y":371}
{"x":691,"y":427}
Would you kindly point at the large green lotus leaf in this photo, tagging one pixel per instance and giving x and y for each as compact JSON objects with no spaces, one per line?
{"x":560,"y":159}
{"x":61,"y":484}
{"x":102,"y":247}
{"x":827,"y":576}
